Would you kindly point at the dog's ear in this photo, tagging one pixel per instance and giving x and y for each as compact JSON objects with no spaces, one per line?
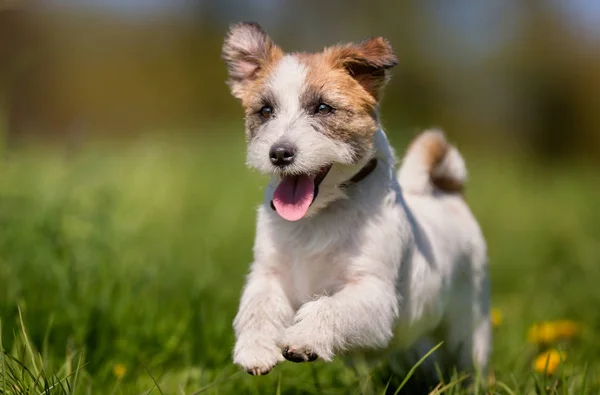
{"x":247,"y":50}
{"x":368,"y":62}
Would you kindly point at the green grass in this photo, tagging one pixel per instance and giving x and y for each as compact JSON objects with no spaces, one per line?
{"x":135,"y":256}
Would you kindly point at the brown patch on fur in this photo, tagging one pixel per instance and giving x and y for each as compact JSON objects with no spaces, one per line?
{"x":434,"y":148}
{"x":349,"y":78}
{"x":251,"y":96}
{"x":367,"y":62}
{"x":250,"y":56}
{"x":253,"y":99}
{"x":448,"y":184}
{"x":353,"y":120}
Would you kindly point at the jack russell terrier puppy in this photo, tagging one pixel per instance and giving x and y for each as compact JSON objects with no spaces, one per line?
{"x":350,"y":255}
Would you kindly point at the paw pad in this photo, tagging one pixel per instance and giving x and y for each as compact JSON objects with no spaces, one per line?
{"x":258,"y":371}
{"x":297,"y":356}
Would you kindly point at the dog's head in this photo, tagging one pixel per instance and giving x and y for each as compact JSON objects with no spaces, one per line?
{"x":310,"y":117}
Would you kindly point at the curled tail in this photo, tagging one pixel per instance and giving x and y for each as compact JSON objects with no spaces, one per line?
{"x":431,"y":163}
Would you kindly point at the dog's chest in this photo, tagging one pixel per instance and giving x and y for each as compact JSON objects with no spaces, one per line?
{"x":315,"y":255}
{"x":315,"y":275}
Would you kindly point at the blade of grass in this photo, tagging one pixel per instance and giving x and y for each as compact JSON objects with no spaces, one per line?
{"x":315,"y":377}
{"x":79,"y":367}
{"x":116,"y":387}
{"x":69,"y":360}
{"x":387,"y":386}
{"x":514,"y":380}
{"x":46,"y":341}
{"x":278,"y":392}
{"x":505,"y":388}
{"x":28,"y":344}
{"x":215,"y":383}
{"x":59,"y":382}
{"x":415,"y":367}
{"x":2,"y":360}
{"x":153,"y":379}
{"x":448,"y":386}
{"x":69,"y":389}
{"x":477,"y":384}
{"x":24,"y":369}
{"x":435,"y":389}
{"x":539,"y":387}
{"x":440,"y":375}
{"x":584,"y":383}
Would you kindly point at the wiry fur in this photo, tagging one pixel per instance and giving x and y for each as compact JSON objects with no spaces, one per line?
{"x":394,"y":261}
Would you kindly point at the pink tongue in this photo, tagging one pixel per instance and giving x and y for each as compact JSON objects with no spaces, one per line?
{"x":293,"y":196}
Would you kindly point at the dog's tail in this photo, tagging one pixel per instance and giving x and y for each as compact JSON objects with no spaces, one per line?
{"x":431,"y":163}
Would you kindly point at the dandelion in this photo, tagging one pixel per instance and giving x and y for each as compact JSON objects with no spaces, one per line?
{"x":544,"y":333}
{"x":119,"y":371}
{"x":552,"y":331}
{"x":567,"y":329}
{"x":497,"y":317}
{"x":548,"y":361}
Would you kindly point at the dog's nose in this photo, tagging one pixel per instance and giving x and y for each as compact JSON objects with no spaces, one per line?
{"x":282,"y":154}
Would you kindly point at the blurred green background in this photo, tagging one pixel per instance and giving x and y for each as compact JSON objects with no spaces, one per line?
{"x":127,"y":215}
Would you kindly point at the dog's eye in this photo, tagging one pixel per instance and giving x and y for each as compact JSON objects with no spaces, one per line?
{"x":324,"y":109}
{"x":266,"y":112}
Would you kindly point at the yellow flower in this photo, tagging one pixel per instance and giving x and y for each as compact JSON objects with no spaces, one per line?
{"x":544,"y":332}
{"x":119,"y":371}
{"x":548,"y":361}
{"x":551,"y":331}
{"x":567,"y":329}
{"x":497,"y":317}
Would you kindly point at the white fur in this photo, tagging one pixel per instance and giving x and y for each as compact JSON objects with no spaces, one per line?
{"x":372,"y":267}
{"x":291,"y":123}
{"x":287,"y":83}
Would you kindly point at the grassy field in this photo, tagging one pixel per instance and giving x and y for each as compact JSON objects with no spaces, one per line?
{"x":121,"y":268}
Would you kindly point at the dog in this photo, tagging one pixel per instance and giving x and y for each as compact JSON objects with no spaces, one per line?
{"x":350,"y":254}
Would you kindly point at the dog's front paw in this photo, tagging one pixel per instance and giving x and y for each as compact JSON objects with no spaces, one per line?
{"x":256,"y":358}
{"x":304,"y":345}
{"x":299,"y":355}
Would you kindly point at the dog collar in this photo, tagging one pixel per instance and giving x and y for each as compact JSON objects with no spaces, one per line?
{"x":361,"y":175}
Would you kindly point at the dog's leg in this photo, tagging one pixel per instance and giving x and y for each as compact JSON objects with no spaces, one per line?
{"x":468,"y":326}
{"x":264,"y":313}
{"x":360,"y":315}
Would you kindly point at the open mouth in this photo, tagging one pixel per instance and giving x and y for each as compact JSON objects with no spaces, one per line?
{"x":294,"y":194}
